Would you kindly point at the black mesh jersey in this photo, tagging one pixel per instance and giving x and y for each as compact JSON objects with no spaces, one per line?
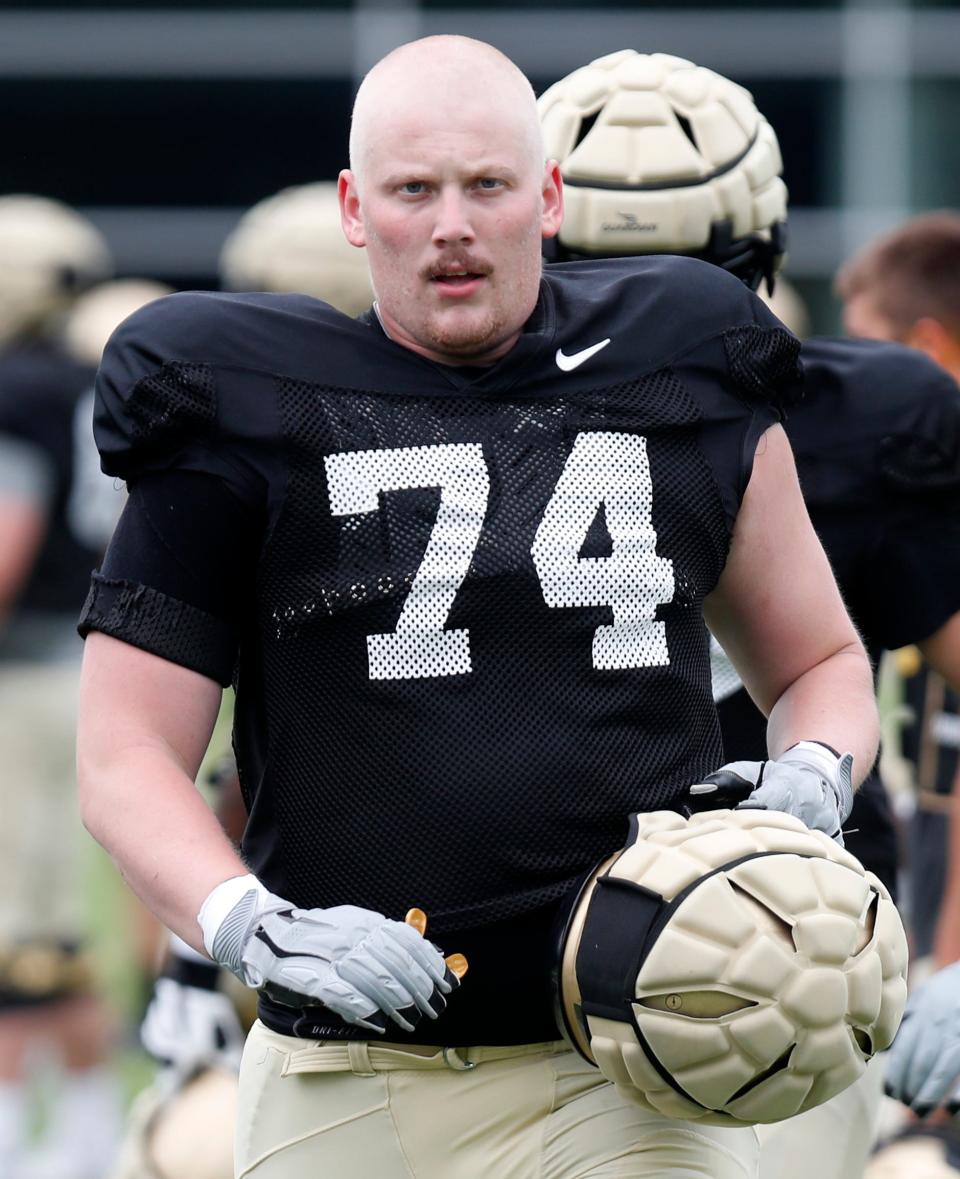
{"x":877,"y":444}
{"x":43,"y":403}
{"x":474,"y":642}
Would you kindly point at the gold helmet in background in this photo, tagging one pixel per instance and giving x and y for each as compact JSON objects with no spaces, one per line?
{"x":661,"y":156}
{"x":97,"y":312}
{"x":292,"y":241}
{"x":48,"y":254}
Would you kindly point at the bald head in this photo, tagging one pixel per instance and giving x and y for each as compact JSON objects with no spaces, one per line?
{"x":446,"y":76}
{"x":449,"y":192}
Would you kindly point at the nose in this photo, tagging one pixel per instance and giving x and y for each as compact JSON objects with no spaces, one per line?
{"x":453,"y":224}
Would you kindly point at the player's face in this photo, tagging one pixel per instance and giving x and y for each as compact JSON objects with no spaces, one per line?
{"x":453,"y":207}
{"x":862,"y":319}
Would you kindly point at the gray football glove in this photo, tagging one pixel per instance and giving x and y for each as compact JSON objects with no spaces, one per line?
{"x":923,"y":1066}
{"x":358,"y":963}
{"x":809,"y":781}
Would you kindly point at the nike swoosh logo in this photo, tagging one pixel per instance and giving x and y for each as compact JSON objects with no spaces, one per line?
{"x":568,"y":363}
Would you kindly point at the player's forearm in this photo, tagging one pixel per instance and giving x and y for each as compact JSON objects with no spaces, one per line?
{"x":942,"y":651}
{"x":144,"y":725}
{"x":159,"y":831}
{"x":833,"y":702}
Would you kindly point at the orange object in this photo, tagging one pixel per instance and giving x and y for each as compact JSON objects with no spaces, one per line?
{"x":457,"y":963}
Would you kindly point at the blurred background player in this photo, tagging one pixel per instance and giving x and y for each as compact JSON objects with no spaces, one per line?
{"x":198,"y":1016}
{"x":906,"y":286}
{"x":660,"y":156}
{"x":57,"y":512}
{"x":48,"y":542}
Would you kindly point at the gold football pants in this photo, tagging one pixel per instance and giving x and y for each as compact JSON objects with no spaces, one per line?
{"x":535,"y":1111}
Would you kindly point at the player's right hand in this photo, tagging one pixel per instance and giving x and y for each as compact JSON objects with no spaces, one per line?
{"x":360,"y":964}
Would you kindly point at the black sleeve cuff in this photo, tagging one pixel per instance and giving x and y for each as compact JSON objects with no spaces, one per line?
{"x":155,"y":622}
{"x":202,"y":975}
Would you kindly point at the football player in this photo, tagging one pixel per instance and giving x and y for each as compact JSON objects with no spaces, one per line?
{"x":49,"y":540}
{"x":660,"y":156}
{"x":906,"y":286}
{"x":457,"y":556}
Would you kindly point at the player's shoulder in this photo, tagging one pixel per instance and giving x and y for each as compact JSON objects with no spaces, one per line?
{"x":888,"y":410}
{"x":218,"y":329}
{"x":677,"y":298}
{"x":666,"y":311}
{"x":207,"y":370}
{"x":886,"y":377}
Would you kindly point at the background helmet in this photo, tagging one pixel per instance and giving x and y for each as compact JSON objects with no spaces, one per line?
{"x":48,"y":254}
{"x":293,"y":241}
{"x":661,"y":156}
{"x":731,"y":968}
{"x":97,"y":313}
{"x":186,"y":1133}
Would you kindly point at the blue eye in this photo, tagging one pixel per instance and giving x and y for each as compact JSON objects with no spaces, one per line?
{"x":413,"y":187}
{"x":489,"y":182}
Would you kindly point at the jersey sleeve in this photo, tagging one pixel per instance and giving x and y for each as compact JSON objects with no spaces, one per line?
{"x":764,"y":361}
{"x":178,"y":571}
{"x":179,"y":431}
{"x":744,"y":377}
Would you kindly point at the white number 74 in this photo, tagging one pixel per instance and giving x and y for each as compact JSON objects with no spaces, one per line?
{"x":606,"y":469}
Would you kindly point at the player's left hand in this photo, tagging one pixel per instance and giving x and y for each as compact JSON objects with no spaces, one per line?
{"x":809,"y":781}
{"x":923,"y":1066}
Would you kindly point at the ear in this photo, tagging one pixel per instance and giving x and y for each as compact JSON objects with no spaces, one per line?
{"x":351,"y":217}
{"x":551,"y":217}
{"x":930,"y":336}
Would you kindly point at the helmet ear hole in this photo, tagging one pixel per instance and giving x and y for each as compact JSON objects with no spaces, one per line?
{"x":586,"y":127}
{"x":697,"y":1004}
{"x":869,"y":924}
{"x":765,"y":919}
{"x":687,"y":129}
{"x":778,"y":1066}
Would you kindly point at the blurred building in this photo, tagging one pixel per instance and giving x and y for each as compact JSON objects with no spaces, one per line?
{"x":164,"y":124}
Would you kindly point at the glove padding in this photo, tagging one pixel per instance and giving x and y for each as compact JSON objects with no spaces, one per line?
{"x":809,"y":781}
{"x":188,"y":1028}
{"x":923,"y":1066}
{"x":358,"y":963}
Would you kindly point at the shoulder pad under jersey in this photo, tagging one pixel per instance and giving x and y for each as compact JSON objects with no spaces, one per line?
{"x":157,"y":388}
{"x":671,"y":305}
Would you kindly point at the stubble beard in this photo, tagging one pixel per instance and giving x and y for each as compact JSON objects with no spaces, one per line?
{"x":474,"y":338}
